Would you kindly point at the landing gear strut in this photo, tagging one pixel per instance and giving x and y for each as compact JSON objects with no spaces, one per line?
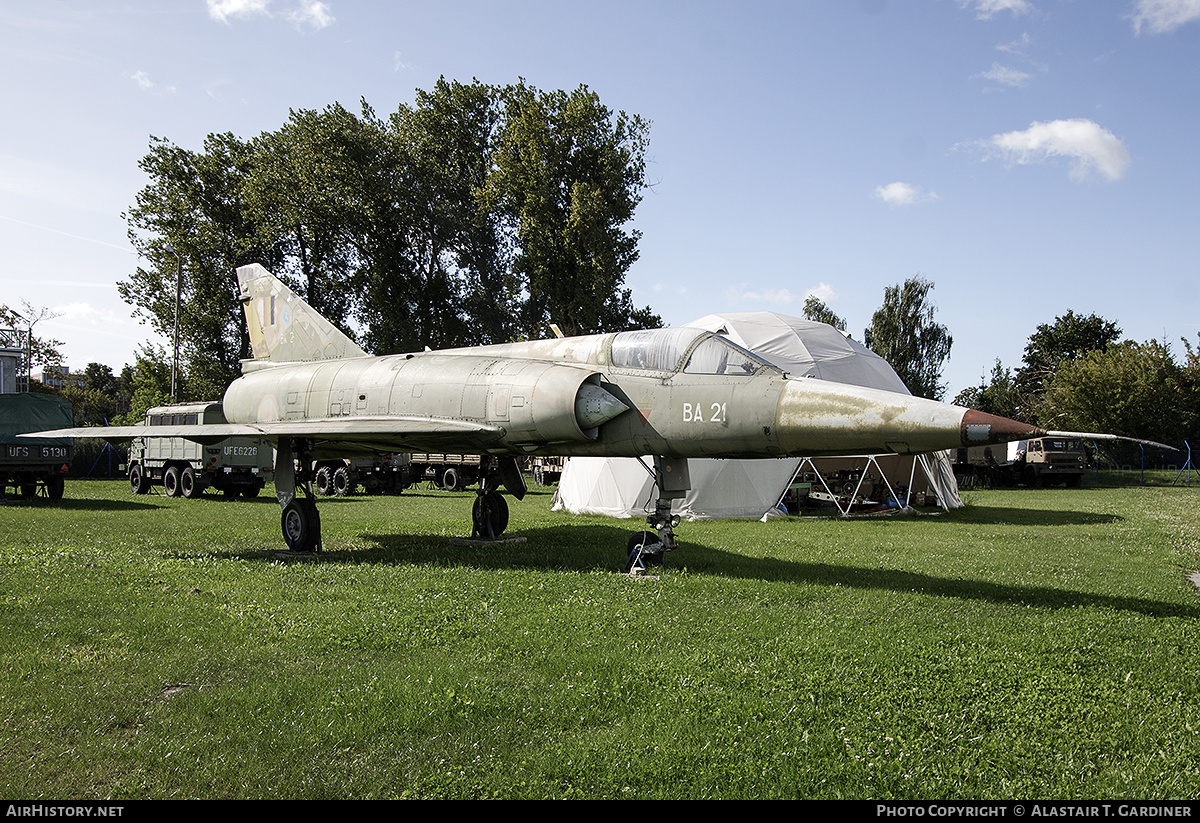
{"x":646,"y":548}
{"x":489,"y":514}
{"x":301,"y":522}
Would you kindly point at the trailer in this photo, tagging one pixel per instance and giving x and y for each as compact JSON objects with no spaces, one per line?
{"x":453,"y":472}
{"x":33,"y":467}
{"x":234,"y":466}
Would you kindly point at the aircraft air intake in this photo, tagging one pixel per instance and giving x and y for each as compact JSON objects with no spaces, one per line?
{"x":594,"y":407}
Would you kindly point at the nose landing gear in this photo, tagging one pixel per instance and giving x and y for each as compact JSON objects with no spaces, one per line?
{"x":646,"y":548}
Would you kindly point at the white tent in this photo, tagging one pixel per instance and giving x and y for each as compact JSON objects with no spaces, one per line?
{"x":624,"y":487}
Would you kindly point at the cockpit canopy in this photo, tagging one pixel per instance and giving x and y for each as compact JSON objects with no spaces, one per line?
{"x":696,"y":351}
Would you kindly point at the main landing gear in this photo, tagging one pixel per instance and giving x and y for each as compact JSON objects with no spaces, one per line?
{"x":489,"y":514}
{"x":301,"y":522}
{"x":646,"y":548}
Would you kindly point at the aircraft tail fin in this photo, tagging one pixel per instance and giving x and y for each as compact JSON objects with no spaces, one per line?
{"x":285,"y":329}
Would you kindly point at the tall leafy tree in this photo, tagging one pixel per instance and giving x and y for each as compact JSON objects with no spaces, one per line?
{"x":446,"y":281}
{"x":569,"y":173}
{"x":997,"y":395}
{"x":193,"y":222}
{"x":816,"y":310}
{"x":1130,"y":388}
{"x":150,"y":383}
{"x":475,"y":215}
{"x":903,"y":332}
{"x":1070,"y":337}
{"x":304,"y":193}
{"x":1189,"y":390}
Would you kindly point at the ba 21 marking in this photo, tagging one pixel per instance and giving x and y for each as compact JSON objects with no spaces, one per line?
{"x":695,"y":413}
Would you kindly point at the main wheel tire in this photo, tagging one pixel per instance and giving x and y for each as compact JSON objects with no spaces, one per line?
{"x":490,"y":514}
{"x":171,"y":481}
{"x":301,"y":524}
{"x":188,"y":486}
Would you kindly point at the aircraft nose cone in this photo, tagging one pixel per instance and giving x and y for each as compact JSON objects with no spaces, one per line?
{"x":980,"y":429}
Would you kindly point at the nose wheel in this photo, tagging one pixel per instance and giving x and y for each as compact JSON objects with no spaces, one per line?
{"x":646,"y":548}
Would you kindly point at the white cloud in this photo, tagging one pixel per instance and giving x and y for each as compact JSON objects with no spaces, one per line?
{"x":222,"y":10}
{"x":1161,"y":16}
{"x":1090,"y":147}
{"x":1018,"y":47}
{"x":146,"y":84}
{"x":775,"y":297}
{"x":1005,"y":76}
{"x":311,"y":13}
{"x":903,"y":194}
{"x":823,"y":292}
{"x":986,"y":9}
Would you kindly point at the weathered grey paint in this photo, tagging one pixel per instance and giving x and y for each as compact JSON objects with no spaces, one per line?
{"x":562,"y":397}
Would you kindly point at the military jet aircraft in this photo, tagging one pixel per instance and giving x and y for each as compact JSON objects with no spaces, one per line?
{"x":674,"y":393}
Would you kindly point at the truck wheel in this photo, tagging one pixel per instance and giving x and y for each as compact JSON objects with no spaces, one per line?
{"x":450,"y":480}
{"x":324,"y":481}
{"x":251,"y":491}
{"x":171,"y":481}
{"x":188,"y":486}
{"x":342,"y":484}
{"x":55,"y":486}
{"x":301,"y":524}
{"x":137,"y":480}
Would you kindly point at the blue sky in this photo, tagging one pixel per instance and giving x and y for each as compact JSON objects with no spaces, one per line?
{"x":1026,"y":156}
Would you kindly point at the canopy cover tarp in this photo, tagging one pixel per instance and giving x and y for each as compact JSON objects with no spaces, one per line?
{"x":623,"y":487}
{"x":27,"y":412}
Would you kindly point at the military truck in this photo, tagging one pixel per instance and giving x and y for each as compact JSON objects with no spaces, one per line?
{"x":387,"y":473}
{"x":1050,"y":460}
{"x":1035,"y":462}
{"x":34,"y":466}
{"x":236,"y":465}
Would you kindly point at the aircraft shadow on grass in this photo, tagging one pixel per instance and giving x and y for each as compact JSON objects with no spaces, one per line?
{"x":83,"y":504}
{"x":998,"y":516}
{"x":588,"y":547}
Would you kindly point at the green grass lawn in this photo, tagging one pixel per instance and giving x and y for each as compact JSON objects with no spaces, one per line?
{"x":1035,"y":644}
